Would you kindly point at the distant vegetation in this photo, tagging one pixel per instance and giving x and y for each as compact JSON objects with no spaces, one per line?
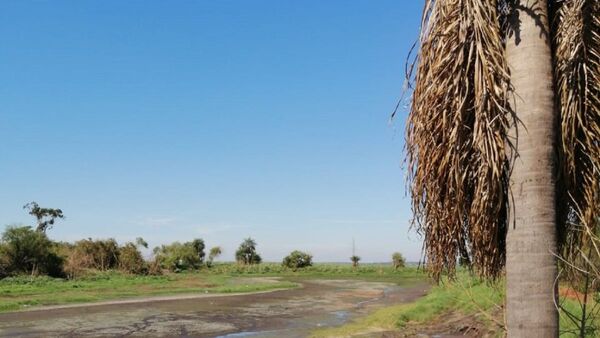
{"x":246,"y":254}
{"x":354,"y":259}
{"x":178,"y":256}
{"x":297,"y":259}
{"x":28,"y":251}
{"x":214,"y":253}
{"x":398,"y":260}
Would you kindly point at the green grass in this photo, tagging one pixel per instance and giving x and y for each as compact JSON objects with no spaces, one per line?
{"x":375,"y":272}
{"x":465,"y":296}
{"x":18,"y":293}
{"x":569,"y":329}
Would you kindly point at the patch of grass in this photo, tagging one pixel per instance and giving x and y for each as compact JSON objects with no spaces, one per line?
{"x":375,"y":272}
{"x":568,"y":328}
{"x":22,"y":292}
{"x":466,"y":295}
{"x":17,"y":293}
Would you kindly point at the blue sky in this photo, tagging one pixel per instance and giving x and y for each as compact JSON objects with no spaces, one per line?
{"x":212,"y":119}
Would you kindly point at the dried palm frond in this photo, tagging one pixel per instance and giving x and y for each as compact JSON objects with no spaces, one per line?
{"x":457,"y":136}
{"x":577,"y":77}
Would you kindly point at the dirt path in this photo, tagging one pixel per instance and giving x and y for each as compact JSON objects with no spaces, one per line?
{"x":287,"y":313}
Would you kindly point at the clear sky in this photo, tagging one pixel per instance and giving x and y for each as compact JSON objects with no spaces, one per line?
{"x":172,"y":120}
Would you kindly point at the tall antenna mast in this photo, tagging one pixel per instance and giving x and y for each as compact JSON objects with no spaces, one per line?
{"x":353,"y":247}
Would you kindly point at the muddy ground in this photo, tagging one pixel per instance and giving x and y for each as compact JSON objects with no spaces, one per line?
{"x":287,"y":313}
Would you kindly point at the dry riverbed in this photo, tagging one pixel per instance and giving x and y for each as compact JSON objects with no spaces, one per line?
{"x":285,"y":313}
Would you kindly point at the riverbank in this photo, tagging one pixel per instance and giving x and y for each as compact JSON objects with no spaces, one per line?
{"x":286,"y":313}
{"x":465,"y":307}
{"x":26,"y":292}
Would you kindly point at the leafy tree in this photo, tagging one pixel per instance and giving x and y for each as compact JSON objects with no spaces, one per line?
{"x":499,"y":89}
{"x":177,"y":256}
{"x":355,"y":259}
{"x":198,"y":245}
{"x":45,"y":216}
{"x":297,"y":259}
{"x":27,"y":251}
{"x":214,"y":253}
{"x":398,"y":260}
{"x":246,"y":253}
{"x":141,"y":242}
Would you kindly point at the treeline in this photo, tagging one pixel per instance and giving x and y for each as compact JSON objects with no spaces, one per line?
{"x":25,"y":250}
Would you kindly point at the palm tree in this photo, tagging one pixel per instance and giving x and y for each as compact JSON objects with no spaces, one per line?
{"x":492,"y":80}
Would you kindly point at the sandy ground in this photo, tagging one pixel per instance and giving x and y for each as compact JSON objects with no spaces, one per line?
{"x":287,"y":313}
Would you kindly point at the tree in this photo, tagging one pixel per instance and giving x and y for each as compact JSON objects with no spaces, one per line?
{"x":483,"y":139}
{"x":177,"y":256}
{"x":198,"y":245}
{"x":398,"y":260}
{"x":246,"y":253}
{"x":45,"y":216}
{"x":355,"y":259}
{"x":297,"y":260}
{"x":140,"y":242}
{"x":214,"y":253}
{"x":27,"y":251}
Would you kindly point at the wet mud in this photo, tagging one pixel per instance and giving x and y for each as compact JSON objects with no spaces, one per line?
{"x":284,"y":313}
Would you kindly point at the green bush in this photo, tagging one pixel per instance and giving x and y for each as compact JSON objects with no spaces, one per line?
{"x":131,"y":260}
{"x":26,"y":251}
{"x":398,"y":260}
{"x":177,"y":256}
{"x":297,"y":259}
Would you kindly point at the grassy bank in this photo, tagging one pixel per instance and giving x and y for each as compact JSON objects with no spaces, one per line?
{"x":464,"y":302}
{"x":466,"y":296}
{"x":375,"y":271}
{"x":17,"y":293}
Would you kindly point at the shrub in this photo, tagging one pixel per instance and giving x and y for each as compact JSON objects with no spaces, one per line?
{"x":398,"y":260}
{"x":94,"y":254}
{"x":178,"y":256}
{"x":155,"y":268}
{"x":131,"y":260}
{"x":24,"y":250}
{"x":297,"y":259}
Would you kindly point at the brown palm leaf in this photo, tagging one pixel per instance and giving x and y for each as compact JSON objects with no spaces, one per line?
{"x":577,"y":73}
{"x":457,"y":136}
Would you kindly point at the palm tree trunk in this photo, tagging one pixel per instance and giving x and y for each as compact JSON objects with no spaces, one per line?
{"x":531,"y":240}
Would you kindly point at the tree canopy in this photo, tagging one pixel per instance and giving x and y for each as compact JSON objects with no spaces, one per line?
{"x":45,"y":216}
{"x":246,"y":253}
